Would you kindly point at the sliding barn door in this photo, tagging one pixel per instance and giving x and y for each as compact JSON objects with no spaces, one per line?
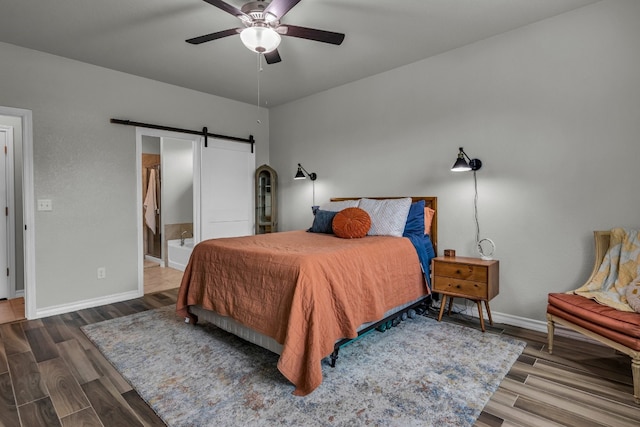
{"x":226,"y":184}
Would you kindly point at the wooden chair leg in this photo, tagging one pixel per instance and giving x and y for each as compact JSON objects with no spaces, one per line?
{"x":550,"y":330}
{"x":635,"y":370}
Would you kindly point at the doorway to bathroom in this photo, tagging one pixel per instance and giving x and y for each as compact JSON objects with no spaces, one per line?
{"x":206,"y":191}
{"x":165,"y":199}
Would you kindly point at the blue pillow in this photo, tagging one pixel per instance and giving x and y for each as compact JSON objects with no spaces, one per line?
{"x":322,"y":223}
{"x":415,"y":219}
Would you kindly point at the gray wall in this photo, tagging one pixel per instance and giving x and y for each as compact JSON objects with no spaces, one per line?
{"x":87,"y":166}
{"x":553,"y":111}
{"x":150,"y":144}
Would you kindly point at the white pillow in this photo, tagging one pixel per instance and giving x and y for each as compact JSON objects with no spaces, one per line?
{"x":388,"y":216}
{"x":338,"y":206}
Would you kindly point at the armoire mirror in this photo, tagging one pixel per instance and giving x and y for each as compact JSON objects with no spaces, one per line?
{"x":266,"y":202}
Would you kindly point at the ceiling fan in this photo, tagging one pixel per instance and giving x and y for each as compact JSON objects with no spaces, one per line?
{"x":262,"y":27}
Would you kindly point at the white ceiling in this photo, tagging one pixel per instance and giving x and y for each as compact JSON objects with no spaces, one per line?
{"x":147,"y":38}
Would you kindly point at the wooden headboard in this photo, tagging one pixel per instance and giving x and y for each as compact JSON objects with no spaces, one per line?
{"x":430,"y":202}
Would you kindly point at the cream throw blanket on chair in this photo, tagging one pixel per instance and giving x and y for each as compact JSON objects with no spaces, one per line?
{"x":620,"y":268}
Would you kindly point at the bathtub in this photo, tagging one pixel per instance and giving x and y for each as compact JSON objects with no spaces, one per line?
{"x":179,"y":255}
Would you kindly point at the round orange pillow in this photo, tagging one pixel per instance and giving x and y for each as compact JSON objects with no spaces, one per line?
{"x":351,"y":223}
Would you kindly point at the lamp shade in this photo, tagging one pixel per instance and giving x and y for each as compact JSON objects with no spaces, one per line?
{"x":460,"y":165}
{"x":260,"y":39}
{"x":303,"y":174}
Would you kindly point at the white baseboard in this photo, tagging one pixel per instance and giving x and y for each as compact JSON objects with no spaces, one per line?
{"x":154,"y":259}
{"x":507,"y":319}
{"x":176,"y":266}
{"x":521,"y":322}
{"x":80,"y":305}
{"x":534,"y":325}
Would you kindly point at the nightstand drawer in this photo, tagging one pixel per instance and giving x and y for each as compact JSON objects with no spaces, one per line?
{"x":464,"y":288}
{"x":461,"y":271}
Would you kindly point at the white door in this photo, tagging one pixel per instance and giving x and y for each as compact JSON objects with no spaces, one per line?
{"x":226,"y":199}
{"x":4,"y":246}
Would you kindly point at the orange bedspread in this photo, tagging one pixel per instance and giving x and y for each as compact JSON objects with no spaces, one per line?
{"x":305,"y":290}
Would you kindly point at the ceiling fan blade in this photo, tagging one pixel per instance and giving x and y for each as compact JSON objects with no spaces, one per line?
{"x":214,"y":36}
{"x":311,"y":34}
{"x":272,"y":57}
{"x":279,"y":8}
{"x":229,"y":9}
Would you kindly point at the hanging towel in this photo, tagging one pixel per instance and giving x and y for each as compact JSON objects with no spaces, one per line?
{"x":150,"y":202}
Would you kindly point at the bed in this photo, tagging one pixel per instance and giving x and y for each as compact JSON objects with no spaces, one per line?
{"x":304,"y":294}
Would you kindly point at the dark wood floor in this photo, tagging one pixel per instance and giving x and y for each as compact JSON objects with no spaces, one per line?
{"x":51,"y":374}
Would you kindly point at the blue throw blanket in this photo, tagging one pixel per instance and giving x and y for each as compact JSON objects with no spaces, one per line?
{"x":425,"y":251}
{"x":414,"y":230}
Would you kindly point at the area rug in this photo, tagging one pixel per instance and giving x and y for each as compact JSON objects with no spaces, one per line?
{"x":420,"y":373}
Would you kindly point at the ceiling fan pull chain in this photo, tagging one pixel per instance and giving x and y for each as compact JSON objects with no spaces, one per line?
{"x":259,"y":71}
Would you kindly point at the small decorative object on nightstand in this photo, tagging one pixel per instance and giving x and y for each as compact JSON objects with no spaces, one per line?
{"x":471,"y":278}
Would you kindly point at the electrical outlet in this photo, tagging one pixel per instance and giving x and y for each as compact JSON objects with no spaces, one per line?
{"x":45,"y":205}
{"x":102,"y":272}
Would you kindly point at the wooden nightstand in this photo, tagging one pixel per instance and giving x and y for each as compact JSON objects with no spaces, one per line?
{"x":471,"y":278}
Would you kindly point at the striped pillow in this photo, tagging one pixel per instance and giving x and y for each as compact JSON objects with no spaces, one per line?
{"x":388,"y":216}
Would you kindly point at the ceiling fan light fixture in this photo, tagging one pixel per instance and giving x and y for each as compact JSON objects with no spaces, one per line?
{"x":260,"y":39}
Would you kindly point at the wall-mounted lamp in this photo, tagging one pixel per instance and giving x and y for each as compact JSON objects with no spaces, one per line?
{"x":301,"y":174}
{"x":485,"y":247}
{"x":461,"y":164}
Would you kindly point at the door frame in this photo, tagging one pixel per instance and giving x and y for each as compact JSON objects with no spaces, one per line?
{"x":11,"y":227}
{"x":140,"y":131}
{"x":26,"y":117}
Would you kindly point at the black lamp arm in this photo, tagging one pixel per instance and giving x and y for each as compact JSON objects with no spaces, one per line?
{"x":465,"y":154}
{"x":474,"y":164}
{"x":312,"y":176}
